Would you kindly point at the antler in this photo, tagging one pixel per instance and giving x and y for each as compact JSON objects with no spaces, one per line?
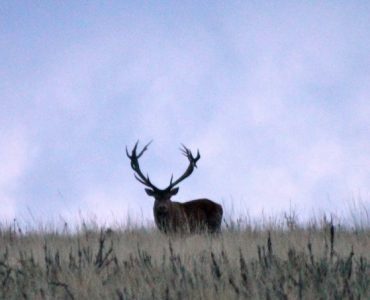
{"x":189,"y":170}
{"x":134,"y":157}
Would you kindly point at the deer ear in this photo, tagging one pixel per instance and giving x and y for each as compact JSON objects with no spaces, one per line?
{"x":174,"y":191}
{"x":149,"y":192}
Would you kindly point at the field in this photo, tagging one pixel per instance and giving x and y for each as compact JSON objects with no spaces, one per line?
{"x":319,"y":260}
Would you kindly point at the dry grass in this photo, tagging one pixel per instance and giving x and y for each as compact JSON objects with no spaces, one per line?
{"x":318,"y":261}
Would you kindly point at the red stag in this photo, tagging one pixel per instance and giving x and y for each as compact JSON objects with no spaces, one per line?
{"x":193,"y":216}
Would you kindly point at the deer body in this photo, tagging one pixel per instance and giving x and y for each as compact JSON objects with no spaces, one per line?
{"x":193,"y":216}
{"x":201,"y":215}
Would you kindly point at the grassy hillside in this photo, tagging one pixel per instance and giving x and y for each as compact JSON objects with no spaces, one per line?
{"x":318,"y":261}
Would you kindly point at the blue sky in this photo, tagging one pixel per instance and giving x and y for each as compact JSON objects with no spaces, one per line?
{"x":275,"y":96}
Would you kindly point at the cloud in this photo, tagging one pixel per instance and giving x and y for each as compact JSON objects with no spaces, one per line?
{"x":15,"y":156}
{"x":275,"y":99}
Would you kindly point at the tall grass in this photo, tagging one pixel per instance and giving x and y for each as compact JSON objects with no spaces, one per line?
{"x":275,"y":260}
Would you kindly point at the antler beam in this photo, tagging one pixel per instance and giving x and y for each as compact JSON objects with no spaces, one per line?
{"x":134,"y":158}
{"x":192,"y":164}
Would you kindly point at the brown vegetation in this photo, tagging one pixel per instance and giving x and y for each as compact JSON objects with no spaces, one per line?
{"x":269,"y":262}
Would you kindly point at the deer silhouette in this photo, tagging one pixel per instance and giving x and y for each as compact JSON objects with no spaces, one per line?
{"x":200,"y":215}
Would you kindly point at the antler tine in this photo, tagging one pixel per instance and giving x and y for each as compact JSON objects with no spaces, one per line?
{"x":189,"y":170}
{"x":197,"y":158}
{"x":128,"y":155}
{"x":144,"y":149}
{"x":146,"y":182}
{"x":186,"y":151}
{"x":133,"y":152}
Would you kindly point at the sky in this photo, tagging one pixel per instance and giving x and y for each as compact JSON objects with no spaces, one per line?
{"x":274,"y":94}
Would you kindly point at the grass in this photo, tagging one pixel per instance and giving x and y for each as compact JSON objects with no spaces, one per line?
{"x":278,"y":260}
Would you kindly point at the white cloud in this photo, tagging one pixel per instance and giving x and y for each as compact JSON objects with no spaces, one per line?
{"x":15,"y":156}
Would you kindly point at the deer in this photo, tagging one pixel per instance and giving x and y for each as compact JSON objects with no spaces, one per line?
{"x":195,"y":216}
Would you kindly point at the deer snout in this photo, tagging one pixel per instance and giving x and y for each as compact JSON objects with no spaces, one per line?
{"x":162,"y":211}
